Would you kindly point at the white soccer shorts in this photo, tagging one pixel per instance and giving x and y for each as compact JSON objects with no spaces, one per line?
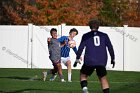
{"x":64,"y":60}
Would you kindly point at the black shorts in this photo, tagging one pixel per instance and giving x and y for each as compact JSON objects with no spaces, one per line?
{"x":88,"y":70}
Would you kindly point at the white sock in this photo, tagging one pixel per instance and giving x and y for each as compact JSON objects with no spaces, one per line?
{"x":85,"y":88}
{"x":45,"y":73}
{"x":69,"y":76}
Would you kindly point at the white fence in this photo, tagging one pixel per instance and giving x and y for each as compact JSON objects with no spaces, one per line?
{"x":26,"y":46}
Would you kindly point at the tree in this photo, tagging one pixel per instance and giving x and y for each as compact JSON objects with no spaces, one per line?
{"x":23,"y":12}
{"x":109,"y":15}
{"x":71,"y":12}
{"x":120,"y":12}
{"x":48,"y":12}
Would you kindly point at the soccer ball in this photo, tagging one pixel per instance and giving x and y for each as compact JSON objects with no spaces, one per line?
{"x":72,"y":44}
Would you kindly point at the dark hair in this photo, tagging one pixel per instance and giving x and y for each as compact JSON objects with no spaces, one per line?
{"x":74,"y":30}
{"x":94,"y":24}
{"x":53,"y":29}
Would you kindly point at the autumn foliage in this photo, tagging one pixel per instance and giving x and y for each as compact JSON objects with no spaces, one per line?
{"x":71,"y":12}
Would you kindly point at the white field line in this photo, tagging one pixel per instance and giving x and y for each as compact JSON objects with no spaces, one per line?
{"x":109,"y":82}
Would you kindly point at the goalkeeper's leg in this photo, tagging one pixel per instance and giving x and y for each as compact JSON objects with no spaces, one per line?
{"x":83,"y":82}
{"x":101,"y":72}
{"x":84,"y":73}
{"x":104,"y":83}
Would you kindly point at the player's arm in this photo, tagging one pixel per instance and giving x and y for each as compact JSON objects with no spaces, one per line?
{"x":75,"y":50}
{"x":49,"y":42}
{"x":80,"y":50}
{"x":111,"y":50}
{"x":62,"y":40}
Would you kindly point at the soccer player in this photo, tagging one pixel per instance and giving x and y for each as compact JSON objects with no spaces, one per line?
{"x":55,"y":56}
{"x":95,"y":44}
{"x":65,"y":50}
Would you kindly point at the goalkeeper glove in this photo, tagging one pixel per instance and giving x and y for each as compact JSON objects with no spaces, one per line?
{"x":75,"y":63}
{"x":113,"y":63}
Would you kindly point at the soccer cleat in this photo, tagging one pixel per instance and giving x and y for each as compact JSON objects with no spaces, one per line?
{"x":44,"y":75}
{"x":85,"y":90}
{"x":62,"y":80}
{"x":53,"y":77}
{"x":69,"y":81}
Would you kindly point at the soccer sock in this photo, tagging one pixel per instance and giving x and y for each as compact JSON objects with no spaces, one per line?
{"x":69,"y":76}
{"x":49,"y":72}
{"x":83,"y":83}
{"x":61,"y":76}
{"x":106,"y":90}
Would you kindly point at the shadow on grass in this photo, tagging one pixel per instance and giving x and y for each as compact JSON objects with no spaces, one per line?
{"x":22,"y":78}
{"x":39,"y":91}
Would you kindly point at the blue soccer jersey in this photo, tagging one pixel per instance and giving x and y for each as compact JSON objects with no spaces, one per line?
{"x":66,"y":48}
{"x":95,"y":44}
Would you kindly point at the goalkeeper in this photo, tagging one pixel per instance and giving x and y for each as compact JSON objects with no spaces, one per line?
{"x":95,"y":44}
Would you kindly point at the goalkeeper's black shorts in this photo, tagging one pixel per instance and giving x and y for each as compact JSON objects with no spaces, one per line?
{"x":88,"y":70}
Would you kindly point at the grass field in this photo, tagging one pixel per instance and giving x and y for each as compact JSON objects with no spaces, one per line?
{"x":29,"y":81}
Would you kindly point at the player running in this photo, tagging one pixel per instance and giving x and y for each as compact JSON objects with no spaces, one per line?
{"x":55,"y":56}
{"x":95,"y":44}
{"x":65,"y":50}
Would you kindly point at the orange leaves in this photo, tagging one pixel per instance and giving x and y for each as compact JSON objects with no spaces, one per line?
{"x":51,"y":12}
{"x":71,"y":12}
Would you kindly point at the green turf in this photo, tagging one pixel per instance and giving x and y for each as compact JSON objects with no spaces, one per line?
{"x":29,"y":81}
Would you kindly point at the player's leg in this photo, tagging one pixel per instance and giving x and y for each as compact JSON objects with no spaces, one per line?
{"x":60,"y":72}
{"x":68,"y":64}
{"x":53,"y":72}
{"x":104,"y":83}
{"x":44,"y":75}
{"x":84,"y":73}
{"x":66,"y":61}
{"x":83,"y":82}
{"x":101,"y":72}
